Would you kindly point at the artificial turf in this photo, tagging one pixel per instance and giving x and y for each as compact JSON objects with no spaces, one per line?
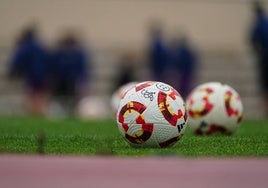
{"x":76,"y":137}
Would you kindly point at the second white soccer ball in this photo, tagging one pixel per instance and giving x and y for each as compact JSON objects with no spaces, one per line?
{"x":118,"y":95}
{"x":214,"y":107}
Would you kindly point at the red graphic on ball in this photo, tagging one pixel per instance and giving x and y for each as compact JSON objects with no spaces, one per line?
{"x":163,"y":105}
{"x":228,"y":105}
{"x":146,"y":129}
{"x":207,"y":107}
{"x":212,"y":129}
{"x":170,"y":141}
{"x":144,"y":85}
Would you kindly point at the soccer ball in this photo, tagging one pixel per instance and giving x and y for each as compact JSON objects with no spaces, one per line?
{"x":214,"y":107}
{"x":151,"y":114}
{"x":118,"y":94}
{"x":92,"y":108}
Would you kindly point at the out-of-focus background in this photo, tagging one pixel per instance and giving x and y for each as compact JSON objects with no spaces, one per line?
{"x":117,"y":32}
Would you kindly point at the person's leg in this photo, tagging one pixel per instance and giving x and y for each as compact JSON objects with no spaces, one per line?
{"x":266,"y":104}
{"x":37,"y":101}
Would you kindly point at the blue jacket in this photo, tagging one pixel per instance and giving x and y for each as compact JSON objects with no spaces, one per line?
{"x":259,"y":35}
{"x":158,"y":55}
{"x":70,"y":68}
{"x":30,"y":60}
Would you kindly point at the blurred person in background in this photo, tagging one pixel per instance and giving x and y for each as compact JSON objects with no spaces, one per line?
{"x":158,"y":50}
{"x":29,"y":61}
{"x":182,"y":62}
{"x":70,"y":74}
{"x":259,"y":42}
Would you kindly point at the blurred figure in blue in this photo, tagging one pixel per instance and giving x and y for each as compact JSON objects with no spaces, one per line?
{"x":157,"y":52}
{"x":30,"y":62}
{"x":259,"y":42}
{"x":182,"y":61}
{"x":70,"y":72}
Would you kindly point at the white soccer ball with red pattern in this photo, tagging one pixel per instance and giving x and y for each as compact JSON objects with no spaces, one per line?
{"x":152,"y":114}
{"x":214,"y":107}
{"x":118,"y":94}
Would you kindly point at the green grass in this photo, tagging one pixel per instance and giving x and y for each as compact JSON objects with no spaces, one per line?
{"x":77,"y":137}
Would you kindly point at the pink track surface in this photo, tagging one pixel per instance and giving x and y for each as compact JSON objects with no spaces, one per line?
{"x":21,"y":171}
